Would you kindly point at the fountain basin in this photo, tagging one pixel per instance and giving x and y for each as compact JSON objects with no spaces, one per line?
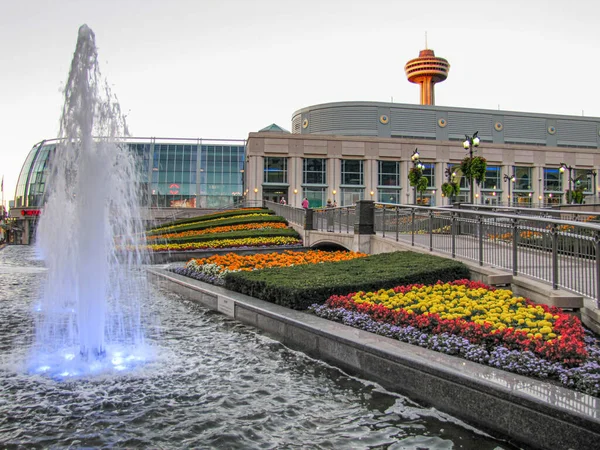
{"x":520,"y":409}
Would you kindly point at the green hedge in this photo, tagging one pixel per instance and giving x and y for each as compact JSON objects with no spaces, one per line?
{"x":203,"y":225}
{"x":299,"y":287}
{"x":234,"y":235}
{"x":219,"y":215}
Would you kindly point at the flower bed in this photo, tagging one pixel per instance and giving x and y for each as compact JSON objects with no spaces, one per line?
{"x":228,"y":243}
{"x":477,"y":312}
{"x":213,"y":268}
{"x":478,"y":323}
{"x":213,"y":220}
{"x":223,"y":229}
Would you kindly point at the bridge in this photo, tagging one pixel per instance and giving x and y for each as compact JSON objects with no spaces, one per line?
{"x":549,"y":256}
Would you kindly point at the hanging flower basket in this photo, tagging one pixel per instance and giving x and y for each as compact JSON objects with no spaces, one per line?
{"x":450,"y":189}
{"x":474,"y":168}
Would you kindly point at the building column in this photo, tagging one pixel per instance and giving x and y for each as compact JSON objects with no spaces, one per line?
{"x":295,"y":181}
{"x":370,"y":176}
{"x":537,"y":184}
{"x":334,"y":178}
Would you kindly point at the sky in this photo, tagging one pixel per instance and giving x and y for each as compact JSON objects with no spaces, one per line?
{"x":224,"y":68}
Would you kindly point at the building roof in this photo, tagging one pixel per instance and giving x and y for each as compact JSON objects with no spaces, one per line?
{"x":273,"y":128}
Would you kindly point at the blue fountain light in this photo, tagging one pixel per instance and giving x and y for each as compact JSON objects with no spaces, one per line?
{"x":88,"y":320}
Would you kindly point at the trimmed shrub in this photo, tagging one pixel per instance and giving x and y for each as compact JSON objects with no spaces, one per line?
{"x":302,"y":286}
{"x":219,"y":215}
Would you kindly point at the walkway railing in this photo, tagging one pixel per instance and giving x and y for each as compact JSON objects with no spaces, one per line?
{"x":564,"y":253}
{"x":534,"y":243}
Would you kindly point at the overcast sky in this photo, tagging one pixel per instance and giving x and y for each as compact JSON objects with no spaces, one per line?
{"x":223,"y":68}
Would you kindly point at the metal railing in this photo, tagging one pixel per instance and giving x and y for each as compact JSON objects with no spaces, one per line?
{"x":538,"y":244}
{"x":335,"y":220}
{"x":290,"y":213}
{"x":564,"y":253}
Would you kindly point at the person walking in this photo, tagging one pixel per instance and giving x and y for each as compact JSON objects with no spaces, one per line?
{"x":282,"y":201}
{"x":305,"y":203}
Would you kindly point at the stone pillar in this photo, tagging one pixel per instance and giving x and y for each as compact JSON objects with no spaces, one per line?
{"x":365,"y":217}
{"x":308,"y":221}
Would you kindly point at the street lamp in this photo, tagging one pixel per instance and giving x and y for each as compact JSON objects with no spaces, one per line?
{"x":510,"y":179}
{"x":562,"y":169}
{"x":593,"y":173}
{"x":416,"y":164}
{"x":334,"y":192}
{"x":470,"y":143}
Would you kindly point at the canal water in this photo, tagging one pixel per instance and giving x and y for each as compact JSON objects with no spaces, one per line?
{"x":212,"y":383}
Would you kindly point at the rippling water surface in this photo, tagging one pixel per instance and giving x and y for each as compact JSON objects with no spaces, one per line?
{"x":214,"y":384}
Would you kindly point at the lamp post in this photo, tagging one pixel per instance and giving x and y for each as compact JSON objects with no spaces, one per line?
{"x":510,"y":179}
{"x":450,"y":177}
{"x":593,"y":174}
{"x":417,"y":165}
{"x":562,"y":169}
{"x":469,"y":144}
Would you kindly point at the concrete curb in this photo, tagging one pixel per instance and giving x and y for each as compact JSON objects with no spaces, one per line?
{"x":521,"y":410}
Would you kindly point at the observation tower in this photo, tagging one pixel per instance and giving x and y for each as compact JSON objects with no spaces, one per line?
{"x":427,"y":70}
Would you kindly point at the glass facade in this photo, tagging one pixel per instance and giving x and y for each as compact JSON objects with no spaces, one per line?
{"x":202,"y":175}
{"x":32,"y":179}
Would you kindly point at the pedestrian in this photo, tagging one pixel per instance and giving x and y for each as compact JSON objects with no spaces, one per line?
{"x":334,"y":204}
{"x":305,"y":203}
{"x":329,"y":204}
{"x":282,"y":201}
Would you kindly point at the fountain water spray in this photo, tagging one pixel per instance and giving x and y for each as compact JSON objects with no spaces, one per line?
{"x":91,"y":211}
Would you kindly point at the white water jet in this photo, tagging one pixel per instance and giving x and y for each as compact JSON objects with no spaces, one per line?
{"x":90,"y":301}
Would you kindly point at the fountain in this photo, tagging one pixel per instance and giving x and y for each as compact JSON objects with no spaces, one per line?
{"x":210,"y":383}
{"x":90,"y":298}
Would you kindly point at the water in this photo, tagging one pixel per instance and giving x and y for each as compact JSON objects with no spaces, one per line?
{"x":212,"y":384}
{"x":88,"y":317}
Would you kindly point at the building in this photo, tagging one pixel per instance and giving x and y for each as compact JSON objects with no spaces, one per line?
{"x":174,"y":173}
{"x":350,"y":151}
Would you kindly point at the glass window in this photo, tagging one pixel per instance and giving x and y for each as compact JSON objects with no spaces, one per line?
{"x":352,"y":172}
{"x":583,"y":180}
{"x":315,"y":196}
{"x":314,"y":171}
{"x":493,"y":179}
{"x":552,"y":180}
{"x":276,"y":170}
{"x":350,"y":196}
{"x":389,"y":173}
{"x":522,"y":178}
{"x":389,"y":196}
{"x":429,"y":173}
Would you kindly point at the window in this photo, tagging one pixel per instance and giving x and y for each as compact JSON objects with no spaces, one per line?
{"x":389,"y":173}
{"x":389,"y":195}
{"x":314,"y":171}
{"x":352,"y":172}
{"x":552,"y":180}
{"x":429,"y":173}
{"x":276,"y":170}
{"x":350,"y":196}
{"x":583,"y":179}
{"x":315,"y":196}
{"x":493,"y":179}
{"x":522,"y":179}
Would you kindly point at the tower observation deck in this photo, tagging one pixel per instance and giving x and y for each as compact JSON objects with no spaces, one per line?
{"x":427,"y":70}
